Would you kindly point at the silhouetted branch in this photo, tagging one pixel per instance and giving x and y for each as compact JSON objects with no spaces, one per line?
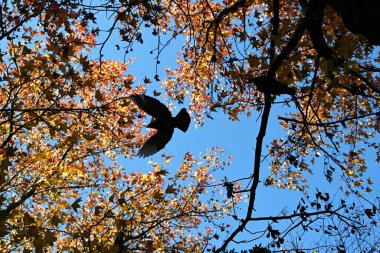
{"x":332,"y":123}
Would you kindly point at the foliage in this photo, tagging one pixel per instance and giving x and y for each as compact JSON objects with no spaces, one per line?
{"x":66,"y":120}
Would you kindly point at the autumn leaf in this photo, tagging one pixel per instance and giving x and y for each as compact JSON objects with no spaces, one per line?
{"x":75,"y":205}
{"x":158,"y":195}
{"x":56,"y":221}
{"x":98,"y":210}
{"x":99,"y":96}
{"x":3,"y":229}
{"x":171,"y":189}
{"x":369,"y":213}
{"x":27,"y":219}
{"x":68,"y":128}
{"x":159,"y":172}
{"x":156,"y":93}
{"x":147,"y":80}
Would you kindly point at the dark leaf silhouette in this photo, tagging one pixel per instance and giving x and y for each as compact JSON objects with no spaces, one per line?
{"x":360,"y":17}
{"x":272,"y":86}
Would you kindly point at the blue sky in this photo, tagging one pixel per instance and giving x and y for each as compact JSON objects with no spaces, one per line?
{"x":237,"y":138}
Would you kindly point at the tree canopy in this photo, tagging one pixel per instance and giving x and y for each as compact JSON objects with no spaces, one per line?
{"x":66,"y":119}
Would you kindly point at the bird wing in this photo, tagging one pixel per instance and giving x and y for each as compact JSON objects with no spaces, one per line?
{"x":156,"y":142}
{"x":151,"y":106}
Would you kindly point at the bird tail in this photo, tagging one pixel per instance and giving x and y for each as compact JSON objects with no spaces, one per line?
{"x":182,"y":120}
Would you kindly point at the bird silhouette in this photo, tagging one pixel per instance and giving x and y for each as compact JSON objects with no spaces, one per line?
{"x":162,"y":120}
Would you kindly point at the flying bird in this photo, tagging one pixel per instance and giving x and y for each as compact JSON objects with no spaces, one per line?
{"x":162,"y":120}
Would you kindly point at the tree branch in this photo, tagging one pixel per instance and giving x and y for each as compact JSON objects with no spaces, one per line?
{"x":329,"y":123}
{"x":256,"y":173}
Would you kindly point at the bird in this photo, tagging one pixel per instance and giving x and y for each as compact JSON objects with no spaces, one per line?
{"x":162,"y":120}
{"x":272,"y":86}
